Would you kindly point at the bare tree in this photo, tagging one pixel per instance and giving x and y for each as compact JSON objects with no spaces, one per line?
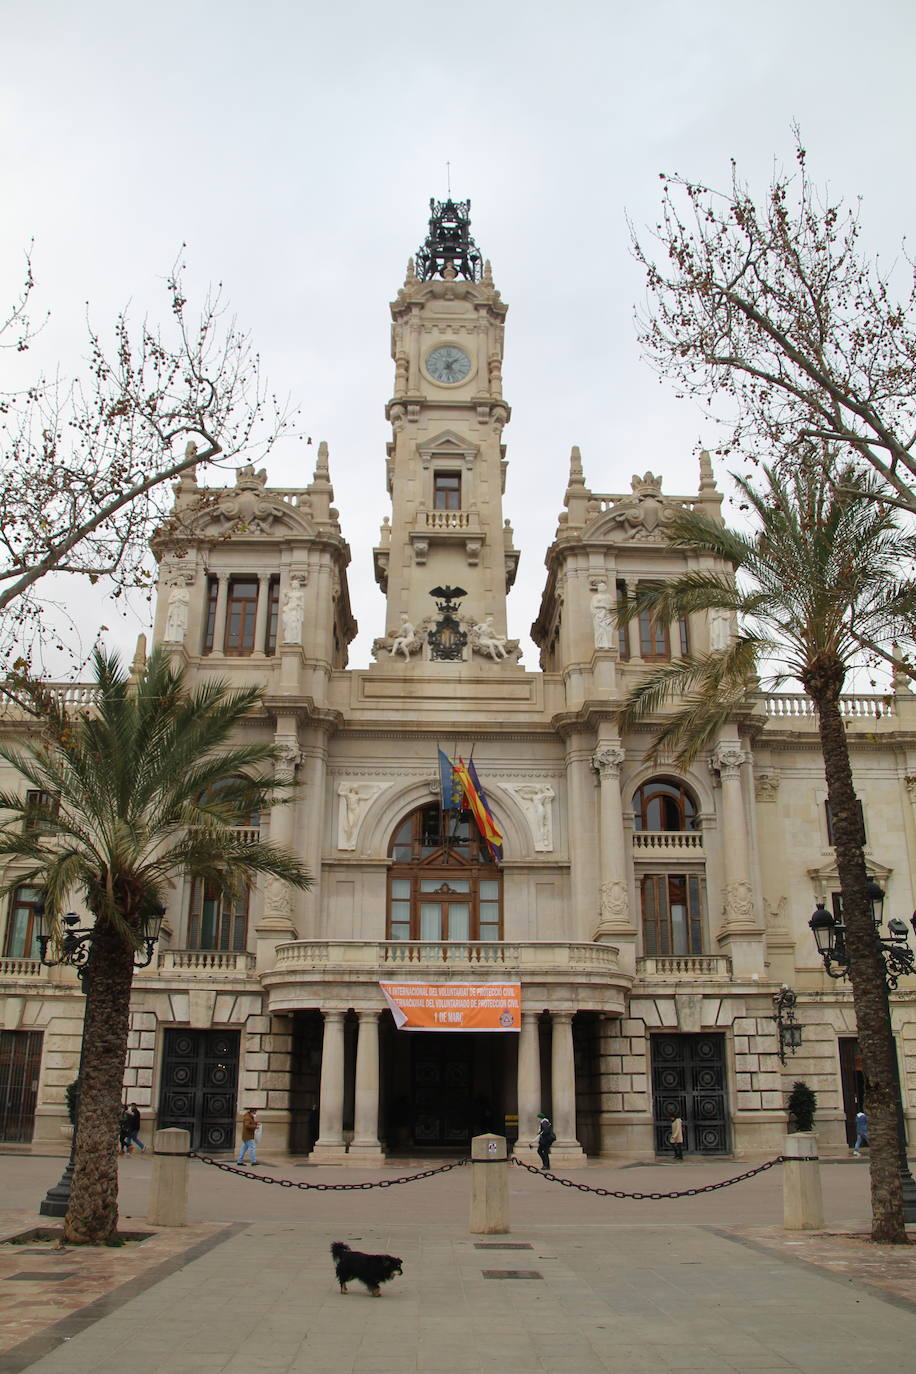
{"x":85,"y":463}
{"x":773,"y":309}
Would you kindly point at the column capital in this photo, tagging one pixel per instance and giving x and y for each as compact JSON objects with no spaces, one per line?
{"x":287,"y":757}
{"x":333,"y":1013}
{"x":727,"y":759}
{"x":607,"y":760}
{"x":561,"y":1016}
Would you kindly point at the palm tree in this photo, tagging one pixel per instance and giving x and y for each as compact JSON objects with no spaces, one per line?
{"x":147,"y":785}
{"x":819,"y":579}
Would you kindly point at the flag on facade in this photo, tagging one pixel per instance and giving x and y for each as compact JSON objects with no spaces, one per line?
{"x":476,"y":802}
{"x":449,"y":785}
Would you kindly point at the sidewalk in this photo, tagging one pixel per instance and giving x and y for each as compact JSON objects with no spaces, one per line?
{"x":708,"y":1283}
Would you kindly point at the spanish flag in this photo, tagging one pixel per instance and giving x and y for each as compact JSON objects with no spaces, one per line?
{"x":476,"y":802}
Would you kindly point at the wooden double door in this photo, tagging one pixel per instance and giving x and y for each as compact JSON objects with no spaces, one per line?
{"x":20,"y":1064}
{"x":689,"y":1081}
{"x":199,"y":1087}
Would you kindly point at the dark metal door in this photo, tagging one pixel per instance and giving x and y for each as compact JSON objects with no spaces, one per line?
{"x":20,"y":1062}
{"x":442,"y":1083}
{"x":688,"y":1075}
{"x":199,"y":1084}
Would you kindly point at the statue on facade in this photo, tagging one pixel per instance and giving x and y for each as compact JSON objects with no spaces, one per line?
{"x":720,"y":629}
{"x":486,"y":639}
{"x":176,"y":621}
{"x":602,"y":608}
{"x":404,"y":640}
{"x":354,"y":801}
{"x":292,"y":613}
{"x":536,"y":799}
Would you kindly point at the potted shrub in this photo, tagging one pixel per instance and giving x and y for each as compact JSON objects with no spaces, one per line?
{"x":801,"y":1106}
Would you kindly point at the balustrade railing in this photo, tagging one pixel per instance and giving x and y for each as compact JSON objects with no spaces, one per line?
{"x":684,"y":966}
{"x":507,"y":956}
{"x":445,"y":519}
{"x":206,"y":961}
{"x":668,"y":841}
{"x":11,"y":966}
{"x":798,"y":706}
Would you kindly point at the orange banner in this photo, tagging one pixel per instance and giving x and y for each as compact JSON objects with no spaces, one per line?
{"x":455,"y":1006}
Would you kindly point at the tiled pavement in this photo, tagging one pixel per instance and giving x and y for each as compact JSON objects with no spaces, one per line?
{"x":709,"y":1283}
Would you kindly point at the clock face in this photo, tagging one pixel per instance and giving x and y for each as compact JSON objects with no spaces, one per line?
{"x":448,"y":364}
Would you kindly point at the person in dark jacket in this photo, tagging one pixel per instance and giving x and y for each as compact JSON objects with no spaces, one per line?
{"x":545,"y":1139}
{"x":133,"y":1133}
{"x":124,"y":1132}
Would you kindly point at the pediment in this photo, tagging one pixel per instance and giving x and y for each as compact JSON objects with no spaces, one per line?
{"x":639,"y":517}
{"x":449,"y":444}
{"x":244,"y":510}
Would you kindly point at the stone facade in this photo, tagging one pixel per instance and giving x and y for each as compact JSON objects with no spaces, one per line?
{"x":648,"y":916}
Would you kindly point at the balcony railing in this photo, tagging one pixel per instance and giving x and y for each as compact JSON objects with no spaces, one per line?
{"x":684,"y":966}
{"x":797,"y":706}
{"x":399,"y":955}
{"x":206,"y":962}
{"x":687,"y":842}
{"x":444,"y":519}
{"x":11,"y":966}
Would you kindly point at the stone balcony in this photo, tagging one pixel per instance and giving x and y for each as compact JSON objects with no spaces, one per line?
{"x":586,"y":975}
{"x":683,"y":966}
{"x":205,"y":963}
{"x":14,"y":969}
{"x":664,"y":844}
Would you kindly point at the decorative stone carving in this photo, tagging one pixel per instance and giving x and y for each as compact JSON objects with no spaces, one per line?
{"x":278,"y":898}
{"x":607,"y":760}
{"x":615,"y":900}
{"x":766,"y":786}
{"x":738,"y":905}
{"x":176,"y":622}
{"x":720,"y":629}
{"x":486,"y":640}
{"x":535,"y":800}
{"x":293,"y":610}
{"x":602,"y":608}
{"x":642,"y":516}
{"x":776,"y":915}
{"x":355,"y":799}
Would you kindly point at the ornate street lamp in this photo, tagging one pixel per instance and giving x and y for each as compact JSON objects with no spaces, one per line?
{"x":830,"y":937}
{"x":788,"y":1029}
{"x":74,"y":946}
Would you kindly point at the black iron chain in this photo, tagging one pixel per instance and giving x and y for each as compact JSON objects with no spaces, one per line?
{"x":647,"y":1197}
{"x":323,"y":1187}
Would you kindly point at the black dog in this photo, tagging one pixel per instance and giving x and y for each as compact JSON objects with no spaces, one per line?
{"x":369,"y":1269}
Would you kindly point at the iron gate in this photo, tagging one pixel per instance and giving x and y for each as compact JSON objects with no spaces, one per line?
{"x":199,"y":1079}
{"x":688,"y":1076}
{"x":20,"y":1062}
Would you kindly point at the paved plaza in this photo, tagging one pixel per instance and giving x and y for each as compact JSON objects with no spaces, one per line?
{"x":581,"y":1284}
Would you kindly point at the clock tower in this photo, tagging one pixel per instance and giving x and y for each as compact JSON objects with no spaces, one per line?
{"x":446,"y":462}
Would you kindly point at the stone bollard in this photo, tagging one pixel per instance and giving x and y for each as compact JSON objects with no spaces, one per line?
{"x":168,"y":1194}
{"x":489,"y":1186}
{"x":802,"y":1203}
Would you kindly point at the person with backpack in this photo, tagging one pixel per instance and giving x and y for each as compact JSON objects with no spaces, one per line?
{"x":545,"y":1139}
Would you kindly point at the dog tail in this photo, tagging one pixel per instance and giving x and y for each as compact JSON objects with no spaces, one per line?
{"x":338,"y":1249}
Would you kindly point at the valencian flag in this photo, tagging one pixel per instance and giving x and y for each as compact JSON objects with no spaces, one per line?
{"x":477,"y":803}
{"x":449,"y":785}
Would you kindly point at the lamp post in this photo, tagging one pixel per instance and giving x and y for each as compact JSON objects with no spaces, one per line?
{"x":830,"y":936}
{"x":74,"y":946}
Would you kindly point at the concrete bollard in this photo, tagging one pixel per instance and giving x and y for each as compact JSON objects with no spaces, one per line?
{"x":802,"y":1202}
{"x":168,"y":1194}
{"x":489,"y":1186}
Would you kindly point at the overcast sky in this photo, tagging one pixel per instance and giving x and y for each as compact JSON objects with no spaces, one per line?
{"x":294,"y":148}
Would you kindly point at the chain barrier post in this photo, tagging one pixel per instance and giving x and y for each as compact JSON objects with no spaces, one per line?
{"x":802,"y":1201}
{"x":489,"y":1186}
{"x":168,"y":1194}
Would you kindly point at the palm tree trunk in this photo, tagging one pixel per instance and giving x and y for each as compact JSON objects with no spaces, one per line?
{"x":866,"y":967}
{"x":92,"y":1216}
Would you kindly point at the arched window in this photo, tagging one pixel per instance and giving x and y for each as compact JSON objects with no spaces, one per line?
{"x":442,"y":884}
{"x":664,"y":805}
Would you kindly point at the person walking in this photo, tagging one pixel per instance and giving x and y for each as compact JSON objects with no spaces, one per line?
{"x":249,"y":1135}
{"x":545,"y":1139}
{"x":124,"y":1126}
{"x":676,"y":1133}
{"x":861,"y":1133}
{"x":133,"y":1128}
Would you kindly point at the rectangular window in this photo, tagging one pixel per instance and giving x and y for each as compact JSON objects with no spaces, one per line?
{"x":41,"y":809}
{"x":241,"y":613}
{"x":654,"y":641}
{"x":685,"y":636}
{"x":446,"y":491}
{"x":22,"y":926}
{"x":273,"y":613}
{"x":672,"y":915}
{"x":210,"y":623}
{"x":623,"y":629}
{"x":400,"y":909}
{"x":215,"y":921}
{"x":829,"y":818}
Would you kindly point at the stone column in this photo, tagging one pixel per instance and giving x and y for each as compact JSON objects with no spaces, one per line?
{"x":615,"y":922}
{"x":330,"y":1143}
{"x":365,"y":1145}
{"x":740,"y":935}
{"x":529,"y":1078}
{"x":635,"y":638}
{"x":566,"y":1149}
{"x":276,"y":922}
{"x":219,"y":619}
{"x":260,"y":620}
{"x":583,"y":876}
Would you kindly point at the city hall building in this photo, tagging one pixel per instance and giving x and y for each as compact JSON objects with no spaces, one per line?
{"x":616,"y":956}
